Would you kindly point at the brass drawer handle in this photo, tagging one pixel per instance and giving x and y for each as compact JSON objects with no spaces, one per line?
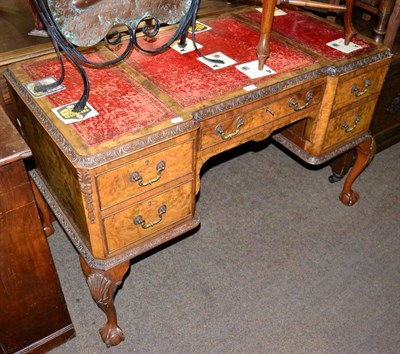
{"x":225,"y":136}
{"x":140,"y":221}
{"x":356,"y":91}
{"x":293,"y":103}
{"x":135,"y":176}
{"x":348,"y":129}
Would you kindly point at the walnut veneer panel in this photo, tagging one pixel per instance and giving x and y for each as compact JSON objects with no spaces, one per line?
{"x":359,"y":84}
{"x":144,"y":174}
{"x":56,"y":168}
{"x":347,"y":125}
{"x":144,"y":219}
{"x":269,"y":110}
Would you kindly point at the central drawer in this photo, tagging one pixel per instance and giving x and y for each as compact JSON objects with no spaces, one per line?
{"x":148,"y":217}
{"x":240,"y":121}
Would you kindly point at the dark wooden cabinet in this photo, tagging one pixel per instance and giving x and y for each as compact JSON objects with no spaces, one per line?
{"x":33,"y":314}
{"x":386,"y":123}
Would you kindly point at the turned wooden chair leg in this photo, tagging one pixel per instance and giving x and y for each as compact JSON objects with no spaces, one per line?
{"x":268,"y":10}
{"x":365,"y":153}
{"x":102,"y":285}
{"x":393,"y":24}
{"x":38,"y":22}
{"x":349,"y":31}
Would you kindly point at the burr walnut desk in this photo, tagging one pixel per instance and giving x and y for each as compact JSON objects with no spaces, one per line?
{"x":125,"y":181}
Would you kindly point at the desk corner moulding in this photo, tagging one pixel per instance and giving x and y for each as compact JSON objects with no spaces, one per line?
{"x":125,"y":180}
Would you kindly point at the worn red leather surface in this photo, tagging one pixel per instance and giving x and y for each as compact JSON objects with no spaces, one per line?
{"x":188,"y":81}
{"x":122,"y":103}
{"x":310,"y":33}
{"x":125,"y":106}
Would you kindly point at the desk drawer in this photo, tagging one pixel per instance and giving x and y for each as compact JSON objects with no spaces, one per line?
{"x":145,"y":174}
{"x":353,"y":88}
{"x":244,"y":119}
{"x":144,"y":219}
{"x":349,"y":124}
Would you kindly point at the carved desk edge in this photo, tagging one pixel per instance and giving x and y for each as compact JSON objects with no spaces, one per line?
{"x":170,"y":132}
{"x":333,"y":70}
{"x":255,"y":95}
{"x":325,"y":157}
{"x":105,"y":264}
{"x":265,"y":91}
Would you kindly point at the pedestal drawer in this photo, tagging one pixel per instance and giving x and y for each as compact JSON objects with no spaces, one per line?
{"x":349,"y":124}
{"x":144,"y":174}
{"x":144,"y":219}
{"x":353,"y":88}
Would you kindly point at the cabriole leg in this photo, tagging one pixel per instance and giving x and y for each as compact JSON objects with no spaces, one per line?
{"x":365,"y":153}
{"x":102,"y":285}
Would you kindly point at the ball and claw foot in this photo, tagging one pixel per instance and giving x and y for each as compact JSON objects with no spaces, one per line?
{"x":111,"y":335}
{"x":349,"y":199}
{"x":103,"y":285}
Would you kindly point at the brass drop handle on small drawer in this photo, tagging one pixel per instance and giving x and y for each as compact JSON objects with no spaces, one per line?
{"x":135,"y":176}
{"x":348,"y":129}
{"x":140,"y":221}
{"x":225,"y":136}
{"x":293,"y":103}
{"x":356,"y":91}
